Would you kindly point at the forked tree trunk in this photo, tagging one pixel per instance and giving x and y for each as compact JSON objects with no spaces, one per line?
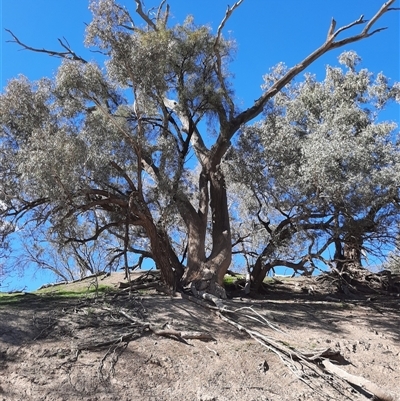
{"x":206,"y":273}
{"x":221,"y":254}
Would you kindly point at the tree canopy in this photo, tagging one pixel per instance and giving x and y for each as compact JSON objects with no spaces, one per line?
{"x":119,"y":155}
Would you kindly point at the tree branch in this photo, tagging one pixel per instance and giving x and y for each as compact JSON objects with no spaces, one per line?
{"x":361,"y":20}
{"x":68,"y":54}
{"x":385,"y":7}
{"x":328,"y":45}
{"x":145,"y":17}
{"x":122,"y":172}
{"x":228,"y":13}
{"x":190,"y":129}
{"x":94,"y":236}
{"x":166,"y":13}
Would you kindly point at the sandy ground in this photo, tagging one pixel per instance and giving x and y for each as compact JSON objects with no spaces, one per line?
{"x":111,"y":347}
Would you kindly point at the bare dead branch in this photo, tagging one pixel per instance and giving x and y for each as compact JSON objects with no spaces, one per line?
{"x":160,"y":9}
{"x":228,"y":13}
{"x":144,"y":16}
{"x":331,"y":29}
{"x":385,"y":7}
{"x":186,"y":335}
{"x":286,"y":354}
{"x":359,"y":381}
{"x":68,"y":54}
{"x":166,"y":15}
{"x":126,"y":13}
{"x":361,"y":20}
{"x":328,"y":45}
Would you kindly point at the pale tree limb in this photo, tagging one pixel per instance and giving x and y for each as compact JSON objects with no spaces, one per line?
{"x":160,"y":9}
{"x":166,"y":15}
{"x":332,"y":35}
{"x":328,"y":45}
{"x":143,"y":15}
{"x":291,"y":357}
{"x":185,"y":335}
{"x":288,"y":356}
{"x":189,"y":128}
{"x":370,"y":387}
{"x":385,"y":7}
{"x":228,"y":13}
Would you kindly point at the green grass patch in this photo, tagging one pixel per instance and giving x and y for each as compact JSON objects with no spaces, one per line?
{"x":230,"y":280}
{"x":56,"y":292}
{"x":11,"y":299}
{"x":61,"y":291}
{"x":268,"y":280}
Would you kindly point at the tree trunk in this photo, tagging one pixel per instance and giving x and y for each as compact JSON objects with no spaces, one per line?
{"x":162,"y":251}
{"x":348,"y":251}
{"x":206,"y":273}
{"x":166,"y":259}
{"x":261,"y":268}
{"x":352,"y":249}
{"x":221,"y":254}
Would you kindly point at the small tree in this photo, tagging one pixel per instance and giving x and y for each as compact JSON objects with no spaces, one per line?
{"x":77,"y":145}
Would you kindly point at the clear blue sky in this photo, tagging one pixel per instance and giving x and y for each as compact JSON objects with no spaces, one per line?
{"x":266,"y":31}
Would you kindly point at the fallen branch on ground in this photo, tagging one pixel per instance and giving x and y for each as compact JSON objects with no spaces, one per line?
{"x":186,"y":335}
{"x":376,"y":391}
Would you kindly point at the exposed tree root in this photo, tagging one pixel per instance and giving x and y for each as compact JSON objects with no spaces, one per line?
{"x":356,"y":280}
{"x":114,"y":341}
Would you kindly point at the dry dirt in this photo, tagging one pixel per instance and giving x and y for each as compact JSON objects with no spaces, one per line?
{"x":91,"y":349}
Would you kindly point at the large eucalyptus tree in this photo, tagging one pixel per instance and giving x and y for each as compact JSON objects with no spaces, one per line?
{"x":112,"y":147}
